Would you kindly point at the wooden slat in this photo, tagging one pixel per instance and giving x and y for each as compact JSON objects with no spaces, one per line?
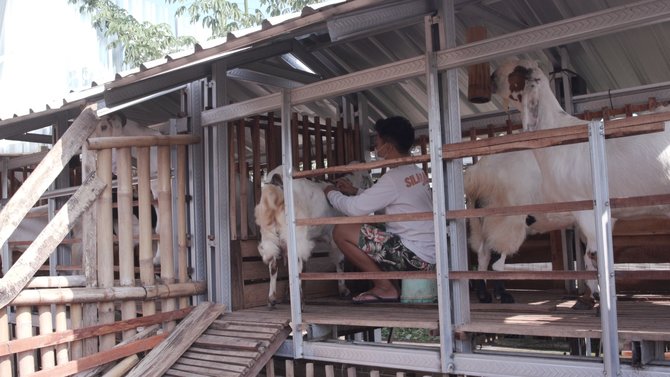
{"x":240,"y":334}
{"x":178,"y":373}
{"x":226,"y":341}
{"x":20,"y":345}
{"x":46,"y":242}
{"x":194,"y":370}
{"x":45,"y":173}
{"x":252,"y":355}
{"x":222,"y":359}
{"x":159,"y":360}
{"x":102,"y":357}
{"x":107,"y":142}
{"x":268,"y":353}
{"x":211,"y":365}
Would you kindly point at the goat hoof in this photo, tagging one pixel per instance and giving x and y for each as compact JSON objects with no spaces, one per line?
{"x":485,"y":297}
{"x":506,"y":298}
{"x":584,"y":303}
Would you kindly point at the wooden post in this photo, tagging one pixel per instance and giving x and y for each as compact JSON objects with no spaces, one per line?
{"x":556,"y":250}
{"x":52,"y":164}
{"x":270,"y":368}
{"x":270,"y":144}
{"x":181,"y":220}
{"x":294,"y":140}
{"x":76,"y":323}
{"x":256,"y":160}
{"x":318,"y":143}
{"x":289,"y":368}
{"x":339,"y":144}
{"x":89,"y":312}
{"x":243,"y":178}
{"x":24,"y":329}
{"x":53,"y":234}
{"x":61,"y":325}
{"x":330,"y":370}
{"x":232,"y":199}
{"x":306,"y":145}
{"x":5,"y":361}
{"x":165,"y":216}
{"x":357,"y":141}
{"x":105,"y":243}
{"x":46,"y":327}
{"x":479,"y":76}
{"x":144,"y":200}
{"x":329,"y":143}
{"x":125,"y":235}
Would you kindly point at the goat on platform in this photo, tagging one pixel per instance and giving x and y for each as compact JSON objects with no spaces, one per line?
{"x":505,"y":180}
{"x":309,"y":202}
{"x":637,"y":165}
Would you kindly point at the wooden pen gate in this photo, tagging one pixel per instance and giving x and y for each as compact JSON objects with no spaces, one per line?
{"x":315,"y":143}
{"x":89,"y":315}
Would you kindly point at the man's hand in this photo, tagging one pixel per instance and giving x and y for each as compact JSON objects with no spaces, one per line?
{"x":345,"y":187}
{"x":328,"y":189}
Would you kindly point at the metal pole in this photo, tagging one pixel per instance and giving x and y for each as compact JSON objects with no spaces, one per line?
{"x":293,"y":278}
{"x":437,"y":171}
{"x":603,"y":219}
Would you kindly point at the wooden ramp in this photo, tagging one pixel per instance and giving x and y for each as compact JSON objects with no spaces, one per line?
{"x":209,"y":343}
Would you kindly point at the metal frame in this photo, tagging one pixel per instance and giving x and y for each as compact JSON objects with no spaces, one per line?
{"x":455,"y":358}
{"x":603,"y":219}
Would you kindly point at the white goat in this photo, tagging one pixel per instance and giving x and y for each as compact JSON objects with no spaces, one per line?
{"x":502,"y":180}
{"x":310,"y":202}
{"x":637,"y":165}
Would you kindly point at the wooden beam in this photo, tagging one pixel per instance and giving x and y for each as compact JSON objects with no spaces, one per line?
{"x":61,"y":337}
{"x":46,"y":242}
{"x":92,"y":361}
{"x":161,"y":358}
{"x":108,"y":142}
{"x":31,"y":297}
{"x":45,"y":173}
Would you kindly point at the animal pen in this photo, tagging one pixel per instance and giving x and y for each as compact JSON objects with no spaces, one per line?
{"x":105,"y":307}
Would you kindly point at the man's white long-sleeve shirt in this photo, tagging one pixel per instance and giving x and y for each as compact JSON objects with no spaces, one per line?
{"x":403,"y":189}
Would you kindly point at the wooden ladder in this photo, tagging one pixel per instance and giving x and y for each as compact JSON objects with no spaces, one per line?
{"x":209,"y":343}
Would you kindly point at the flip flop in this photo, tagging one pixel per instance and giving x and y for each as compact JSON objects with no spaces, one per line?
{"x":374,"y":298}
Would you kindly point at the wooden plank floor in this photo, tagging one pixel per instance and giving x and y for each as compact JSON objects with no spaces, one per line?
{"x":535,"y":313}
{"x":234,"y":345}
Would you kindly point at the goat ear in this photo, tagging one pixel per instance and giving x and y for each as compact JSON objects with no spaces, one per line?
{"x":277,"y":180}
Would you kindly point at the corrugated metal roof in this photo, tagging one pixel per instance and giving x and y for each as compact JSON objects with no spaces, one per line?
{"x":389,"y":31}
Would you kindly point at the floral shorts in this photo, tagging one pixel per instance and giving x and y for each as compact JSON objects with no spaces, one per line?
{"x":387,"y":250}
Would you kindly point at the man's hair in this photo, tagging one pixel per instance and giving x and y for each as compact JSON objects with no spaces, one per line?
{"x":398,"y":131}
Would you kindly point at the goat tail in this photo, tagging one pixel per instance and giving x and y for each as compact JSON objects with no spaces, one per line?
{"x":270,"y":209}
